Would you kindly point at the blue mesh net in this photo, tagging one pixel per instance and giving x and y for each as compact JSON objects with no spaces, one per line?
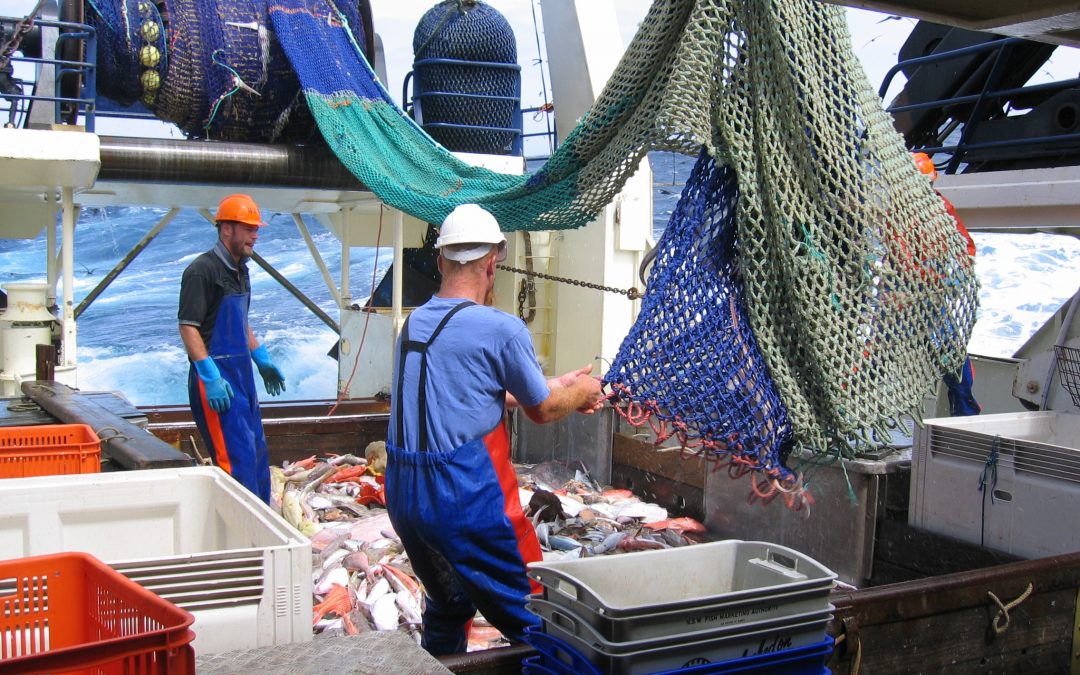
{"x":690,"y":365}
{"x":131,"y":56}
{"x":212,"y":67}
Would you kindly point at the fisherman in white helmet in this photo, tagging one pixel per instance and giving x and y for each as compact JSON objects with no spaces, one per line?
{"x":451,"y":490}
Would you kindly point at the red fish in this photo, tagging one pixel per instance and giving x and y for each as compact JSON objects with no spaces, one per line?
{"x":684,"y":524}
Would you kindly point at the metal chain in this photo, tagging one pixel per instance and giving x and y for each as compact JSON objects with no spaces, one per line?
{"x":527,"y":287}
{"x":21,"y":28}
{"x":631,"y":292}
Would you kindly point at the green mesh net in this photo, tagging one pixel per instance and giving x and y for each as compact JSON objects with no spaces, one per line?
{"x":858,"y":287}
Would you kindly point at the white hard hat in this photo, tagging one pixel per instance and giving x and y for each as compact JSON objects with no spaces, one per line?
{"x":469,"y":224}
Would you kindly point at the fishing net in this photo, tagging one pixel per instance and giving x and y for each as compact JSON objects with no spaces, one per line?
{"x":690,"y":365}
{"x":391,"y":155}
{"x":131,"y":54}
{"x":211,"y":67}
{"x":228,"y":78}
{"x":466,"y":78}
{"x":855,"y":281}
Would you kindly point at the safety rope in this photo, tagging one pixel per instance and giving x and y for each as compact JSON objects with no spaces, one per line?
{"x":857,"y":665}
{"x":632,"y":293}
{"x":367,"y":318}
{"x":23,"y":406}
{"x":989,"y":474}
{"x":115,"y":434}
{"x":1003,"y":609}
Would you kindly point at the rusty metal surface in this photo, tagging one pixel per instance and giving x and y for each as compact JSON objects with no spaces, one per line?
{"x":497,"y":661}
{"x":668,"y":463}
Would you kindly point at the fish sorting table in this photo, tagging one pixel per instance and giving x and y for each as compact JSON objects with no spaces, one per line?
{"x":373,"y":652}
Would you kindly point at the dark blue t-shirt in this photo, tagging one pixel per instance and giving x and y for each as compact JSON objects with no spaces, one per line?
{"x":207,"y":280}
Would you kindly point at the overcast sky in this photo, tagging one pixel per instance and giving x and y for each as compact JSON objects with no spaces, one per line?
{"x":876,"y":39}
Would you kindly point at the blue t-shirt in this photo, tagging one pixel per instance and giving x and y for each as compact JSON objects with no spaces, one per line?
{"x":480,"y":354}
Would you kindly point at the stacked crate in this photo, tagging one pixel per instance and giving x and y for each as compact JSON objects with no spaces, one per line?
{"x":192,"y":535}
{"x":710,"y":608}
{"x":71,"y":612}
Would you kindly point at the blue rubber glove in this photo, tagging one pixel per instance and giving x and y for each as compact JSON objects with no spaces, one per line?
{"x":219,"y":392}
{"x":272,"y":377}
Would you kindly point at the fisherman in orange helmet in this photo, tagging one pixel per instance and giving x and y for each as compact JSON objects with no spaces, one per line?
{"x":215,"y":293}
{"x":961,"y":398}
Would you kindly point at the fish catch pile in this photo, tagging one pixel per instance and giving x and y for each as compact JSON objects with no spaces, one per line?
{"x":361,"y":576}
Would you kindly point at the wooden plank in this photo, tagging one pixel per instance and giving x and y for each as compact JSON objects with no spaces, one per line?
{"x":291,"y":434}
{"x":291,"y":440}
{"x":945,"y":623}
{"x":964,"y":589}
{"x":963,"y":642}
{"x":670,"y":463}
{"x":122,"y":441}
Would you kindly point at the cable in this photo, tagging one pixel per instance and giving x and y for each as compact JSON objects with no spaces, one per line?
{"x":367,"y":317}
{"x":543,"y":80}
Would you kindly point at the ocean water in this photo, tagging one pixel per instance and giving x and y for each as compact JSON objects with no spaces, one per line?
{"x":128,"y":338}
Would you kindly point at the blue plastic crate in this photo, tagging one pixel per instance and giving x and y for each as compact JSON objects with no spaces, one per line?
{"x":534,"y":665}
{"x":558,"y":658}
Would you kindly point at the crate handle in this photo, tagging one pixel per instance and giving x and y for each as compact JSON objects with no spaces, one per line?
{"x":784,"y":560}
{"x":564,"y":621}
{"x":779,"y":564}
{"x":566,"y":586}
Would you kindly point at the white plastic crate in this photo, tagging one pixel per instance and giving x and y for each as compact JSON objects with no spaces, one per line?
{"x":1031,"y":509}
{"x":193,"y":536}
{"x":686,"y":589}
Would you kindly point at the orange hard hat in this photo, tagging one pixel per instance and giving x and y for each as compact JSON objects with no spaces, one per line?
{"x":239,"y":209}
{"x":925,"y":164}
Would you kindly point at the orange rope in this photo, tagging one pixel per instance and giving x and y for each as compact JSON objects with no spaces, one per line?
{"x":765,"y":483}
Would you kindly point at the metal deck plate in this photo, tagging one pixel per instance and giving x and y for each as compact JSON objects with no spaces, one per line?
{"x":373,"y":653}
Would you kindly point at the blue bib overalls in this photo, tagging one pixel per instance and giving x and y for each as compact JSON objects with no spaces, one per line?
{"x":458,"y":514}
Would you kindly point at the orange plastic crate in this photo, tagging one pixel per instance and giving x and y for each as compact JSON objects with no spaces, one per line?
{"x":72,"y":613}
{"x":48,"y":450}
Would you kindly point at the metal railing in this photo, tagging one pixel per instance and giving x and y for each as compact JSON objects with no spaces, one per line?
{"x":415,"y":105}
{"x":980,"y":101}
{"x":79,"y":38}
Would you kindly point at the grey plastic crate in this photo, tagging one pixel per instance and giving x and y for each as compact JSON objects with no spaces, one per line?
{"x":1028,"y":466}
{"x":653,"y":594}
{"x":640,"y":657}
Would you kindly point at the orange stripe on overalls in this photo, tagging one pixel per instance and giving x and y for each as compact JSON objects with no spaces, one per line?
{"x":213,"y":425}
{"x":497,"y":443}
